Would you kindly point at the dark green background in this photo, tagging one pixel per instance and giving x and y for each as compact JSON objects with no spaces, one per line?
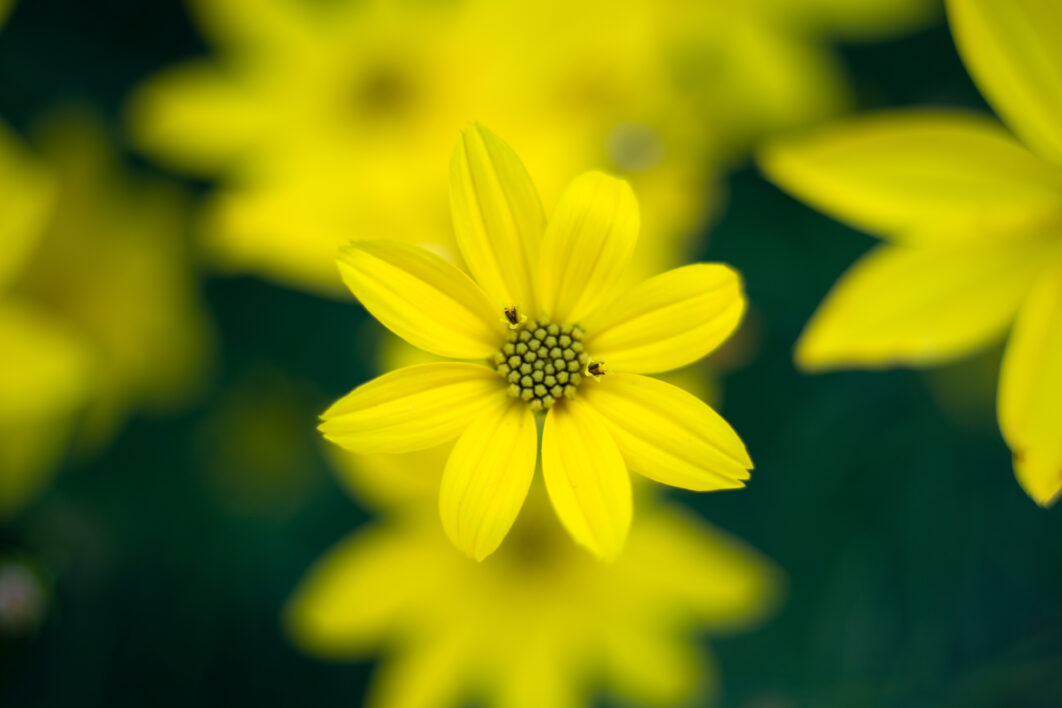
{"x":919,"y":573}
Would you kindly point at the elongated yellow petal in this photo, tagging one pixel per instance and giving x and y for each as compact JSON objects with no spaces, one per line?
{"x":28,"y":196}
{"x":277,"y":24}
{"x":197,"y":118}
{"x":412,"y":408}
{"x":423,"y":298}
{"x":1013,"y":50}
{"x":546,"y":675}
{"x":668,"y":321}
{"x":919,"y":306}
{"x":47,"y":377}
{"x":487,"y":478}
{"x":925,"y":176}
{"x":498,"y":217}
{"x":424,"y":674}
{"x":1030,"y":391}
{"x":721,"y":581}
{"x":667,"y":434}
{"x":588,"y":243}
{"x":865,"y":20}
{"x":587,"y":481}
{"x":652,"y":667}
{"x":348,"y":601}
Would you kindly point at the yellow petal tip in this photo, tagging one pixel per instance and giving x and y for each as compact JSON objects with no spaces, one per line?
{"x":1043,"y":488}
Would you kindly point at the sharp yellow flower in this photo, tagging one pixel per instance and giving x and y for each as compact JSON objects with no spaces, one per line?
{"x":972,"y":219}
{"x":551,"y":334}
{"x":98,"y":312}
{"x":538,"y":624}
{"x":316,"y":119}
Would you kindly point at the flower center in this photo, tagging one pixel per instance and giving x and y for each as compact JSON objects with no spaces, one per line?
{"x":543,"y":361}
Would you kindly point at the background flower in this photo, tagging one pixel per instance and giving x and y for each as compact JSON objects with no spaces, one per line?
{"x":658,"y":92}
{"x":974,"y":220}
{"x":97,"y":304}
{"x":539,"y":623}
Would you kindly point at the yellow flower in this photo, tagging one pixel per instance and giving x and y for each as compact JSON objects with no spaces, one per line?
{"x":541,"y":317}
{"x":46,"y":379}
{"x":317,"y":118}
{"x":973,"y":225}
{"x":537,"y":624}
{"x":98,"y":311}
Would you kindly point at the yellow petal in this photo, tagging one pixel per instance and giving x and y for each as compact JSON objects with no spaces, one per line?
{"x":277,"y":25}
{"x":429,"y":672}
{"x":28,"y":196}
{"x":498,"y":217}
{"x":1030,"y":391}
{"x":919,"y":175}
{"x":1013,"y":50}
{"x":412,"y":408}
{"x":653,"y":667}
{"x":383,"y":481}
{"x":713,"y":578}
{"x":667,"y":321}
{"x":919,"y":306}
{"x":487,"y":477}
{"x":47,"y":371}
{"x":587,"y":481}
{"x":350,"y":599}
{"x":667,"y":434}
{"x":862,"y":21}
{"x":423,"y":298}
{"x":588,"y":244}
{"x":197,"y":118}
{"x":544,"y":675}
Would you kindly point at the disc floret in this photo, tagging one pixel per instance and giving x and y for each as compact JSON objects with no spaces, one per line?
{"x":543,"y":362}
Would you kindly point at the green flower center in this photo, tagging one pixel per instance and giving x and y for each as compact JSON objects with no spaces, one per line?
{"x":542,"y":361}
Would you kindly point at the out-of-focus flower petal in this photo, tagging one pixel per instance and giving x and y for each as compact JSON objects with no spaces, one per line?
{"x":196,"y":118}
{"x":28,"y":193}
{"x":863,"y":20}
{"x":1030,"y":391}
{"x":648,"y":667}
{"x":706,"y":576}
{"x":275,"y":23}
{"x":46,"y":379}
{"x":357,"y":593}
{"x":1013,"y":50}
{"x":903,"y":305}
{"x":920,"y":176}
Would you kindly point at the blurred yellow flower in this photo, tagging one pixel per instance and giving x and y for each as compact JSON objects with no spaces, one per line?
{"x":319,"y":118}
{"x":973,"y":222}
{"x":537,"y":624}
{"x":98,"y":310}
{"x":544,"y":314}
